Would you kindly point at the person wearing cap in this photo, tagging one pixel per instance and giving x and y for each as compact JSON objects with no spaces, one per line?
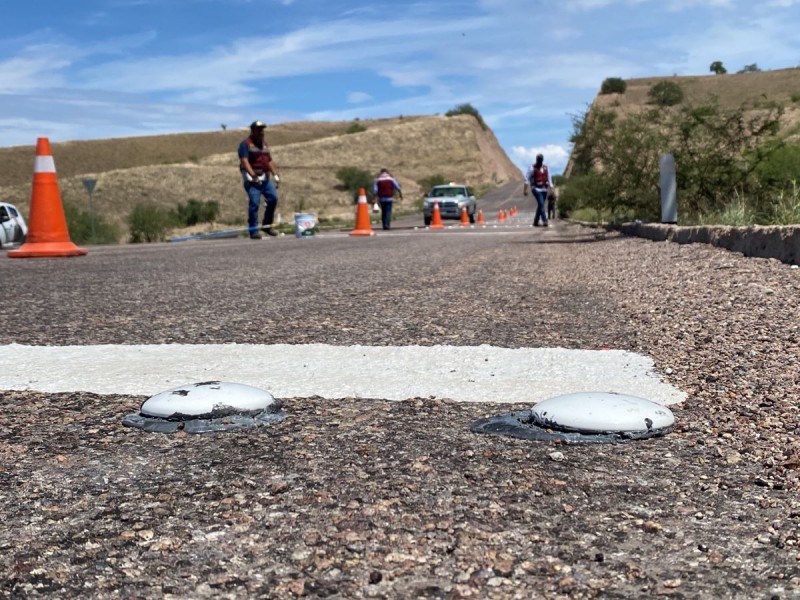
{"x":383,"y":189}
{"x":256,"y":166}
{"x":538,"y":178}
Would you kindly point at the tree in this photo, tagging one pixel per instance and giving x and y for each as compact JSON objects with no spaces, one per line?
{"x":717,"y":68}
{"x":613,"y":85}
{"x":353,"y":179}
{"x":224,"y":126}
{"x":750,"y":69}
{"x":467,"y":109}
{"x":719,"y":153}
{"x":666,"y":93}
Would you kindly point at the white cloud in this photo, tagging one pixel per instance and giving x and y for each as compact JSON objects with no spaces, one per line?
{"x":35,"y":67}
{"x":423,"y":59}
{"x":555,"y":156}
{"x":358,"y":97}
{"x":684,"y":4}
{"x":767,"y":37}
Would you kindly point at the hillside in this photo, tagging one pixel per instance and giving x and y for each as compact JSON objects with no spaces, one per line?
{"x":731,"y":90}
{"x":176,"y":168}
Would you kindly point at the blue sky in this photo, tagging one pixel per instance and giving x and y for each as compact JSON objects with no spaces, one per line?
{"x":115,"y":68}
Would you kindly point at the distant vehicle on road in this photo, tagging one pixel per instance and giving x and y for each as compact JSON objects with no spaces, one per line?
{"x":13,"y":229}
{"x":451,"y":197}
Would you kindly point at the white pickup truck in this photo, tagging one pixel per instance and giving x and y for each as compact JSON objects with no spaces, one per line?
{"x":13,"y":229}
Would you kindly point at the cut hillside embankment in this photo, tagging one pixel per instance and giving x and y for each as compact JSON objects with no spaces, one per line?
{"x":308,"y":157}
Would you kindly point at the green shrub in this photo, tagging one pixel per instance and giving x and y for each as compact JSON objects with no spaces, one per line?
{"x":613,"y":85}
{"x":149,"y":222}
{"x":194,"y":212}
{"x":356,"y":128}
{"x":736,"y":213}
{"x":467,"y":109}
{"x":780,"y":167}
{"x":83,"y":231}
{"x":718,"y":152}
{"x":590,"y":191}
{"x":426,"y":183}
{"x":666,"y":93}
{"x":750,"y":69}
{"x":355,"y":178}
{"x":717,"y":68}
{"x":786,"y":208}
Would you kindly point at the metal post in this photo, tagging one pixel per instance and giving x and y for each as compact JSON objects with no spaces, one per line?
{"x":669,"y":200}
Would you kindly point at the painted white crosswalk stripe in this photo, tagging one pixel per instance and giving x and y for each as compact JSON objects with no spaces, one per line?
{"x":469,"y":374}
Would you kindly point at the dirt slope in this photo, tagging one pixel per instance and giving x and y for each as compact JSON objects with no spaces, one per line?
{"x":308,"y":156}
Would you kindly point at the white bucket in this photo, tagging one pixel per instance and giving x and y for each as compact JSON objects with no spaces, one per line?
{"x":304,"y":225}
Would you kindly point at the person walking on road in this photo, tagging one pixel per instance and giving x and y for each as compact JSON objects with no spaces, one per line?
{"x":384,"y":188}
{"x":538,"y":178}
{"x":256,"y":166}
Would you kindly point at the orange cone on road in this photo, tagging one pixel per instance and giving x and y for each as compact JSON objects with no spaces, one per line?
{"x":47,"y":228}
{"x":480,"y":217}
{"x":436,"y":219}
{"x":363,"y":225}
{"x":501,"y":217}
{"x":464,"y":217}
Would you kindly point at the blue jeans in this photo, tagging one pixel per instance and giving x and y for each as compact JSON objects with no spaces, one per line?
{"x":254,"y":193}
{"x":386,"y":212}
{"x":541,"y":206}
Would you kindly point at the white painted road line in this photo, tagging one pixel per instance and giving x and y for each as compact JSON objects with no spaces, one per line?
{"x":468,"y":374}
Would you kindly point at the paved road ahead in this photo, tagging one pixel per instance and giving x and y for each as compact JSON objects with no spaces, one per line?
{"x":502,"y":198}
{"x":458,"y":286}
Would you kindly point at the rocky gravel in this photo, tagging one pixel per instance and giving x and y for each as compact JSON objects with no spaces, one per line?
{"x":352,"y":498}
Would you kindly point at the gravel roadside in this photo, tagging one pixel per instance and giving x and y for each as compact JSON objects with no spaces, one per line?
{"x":372,"y":498}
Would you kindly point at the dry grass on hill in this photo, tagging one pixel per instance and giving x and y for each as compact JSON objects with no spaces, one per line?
{"x":308,"y":156}
{"x":732,"y":91}
{"x":90,"y":157}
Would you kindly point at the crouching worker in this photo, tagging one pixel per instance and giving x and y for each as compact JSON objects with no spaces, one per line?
{"x":256,"y":166}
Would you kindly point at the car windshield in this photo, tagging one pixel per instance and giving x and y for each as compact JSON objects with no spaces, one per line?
{"x":447,"y":192}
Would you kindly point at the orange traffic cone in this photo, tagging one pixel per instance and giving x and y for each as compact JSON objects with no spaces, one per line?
{"x":502,"y":216}
{"x":436,"y":219}
{"x":480,"y":217}
{"x":47,"y":232}
{"x":464,"y":217}
{"x":363,"y":225}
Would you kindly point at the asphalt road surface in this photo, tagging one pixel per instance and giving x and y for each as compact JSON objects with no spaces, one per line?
{"x":397,"y":499}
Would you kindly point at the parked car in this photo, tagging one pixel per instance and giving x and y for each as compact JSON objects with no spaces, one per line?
{"x":13,"y":229}
{"x":452,"y":198}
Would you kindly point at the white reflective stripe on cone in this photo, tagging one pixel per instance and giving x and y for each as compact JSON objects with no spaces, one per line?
{"x":44,"y":164}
